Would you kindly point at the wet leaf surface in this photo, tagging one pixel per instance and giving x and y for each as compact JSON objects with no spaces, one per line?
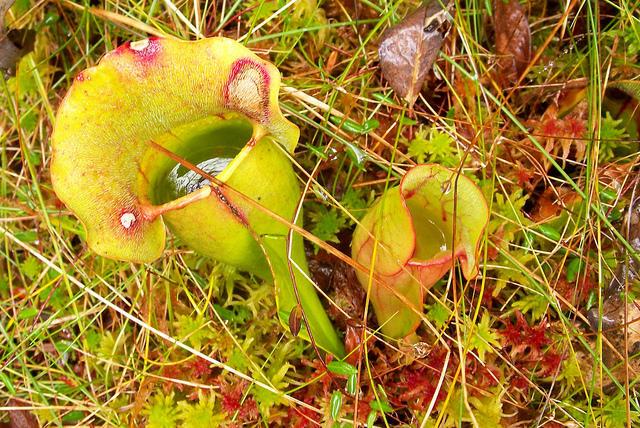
{"x":513,"y":38}
{"x":407,"y":50}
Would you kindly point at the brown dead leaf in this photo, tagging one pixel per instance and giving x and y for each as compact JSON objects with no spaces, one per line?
{"x":407,"y":50}
{"x":5,"y":5}
{"x":339,"y":281}
{"x":295,"y":320}
{"x":14,"y":44}
{"x":513,"y":38}
{"x":21,"y":418}
{"x":144,"y":392}
{"x":331,"y":62}
{"x":552,"y":202}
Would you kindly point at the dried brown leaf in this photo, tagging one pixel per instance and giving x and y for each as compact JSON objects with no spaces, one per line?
{"x":513,"y":38}
{"x":21,"y":418}
{"x":407,"y":50}
{"x":13,"y":44}
{"x":295,"y":320}
{"x":5,"y":5}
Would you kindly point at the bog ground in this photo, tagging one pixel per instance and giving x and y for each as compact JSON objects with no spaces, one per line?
{"x":536,"y":103}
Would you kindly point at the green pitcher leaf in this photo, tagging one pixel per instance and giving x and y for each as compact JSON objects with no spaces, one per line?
{"x":407,"y":238}
{"x":146,"y":91}
{"x":139,"y":137}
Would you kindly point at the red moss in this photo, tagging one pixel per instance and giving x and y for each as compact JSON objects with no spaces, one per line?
{"x":576,"y":293}
{"x":575,"y":127}
{"x":512,"y":334}
{"x":518,"y":381}
{"x":487,"y":294}
{"x":321,"y":379}
{"x":172,"y":372}
{"x":524,"y":177}
{"x":482,"y":375}
{"x":201,"y":368}
{"x":550,"y":364}
{"x":418,"y":387}
{"x":69,"y":382}
{"x":537,"y":336}
{"x":522,"y":337}
{"x":232,"y":401}
{"x":552,"y":128}
{"x":302,"y":417}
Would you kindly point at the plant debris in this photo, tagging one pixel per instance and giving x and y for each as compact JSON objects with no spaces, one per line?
{"x":618,"y":311}
{"x":407,"y":50}
{"x":513,"y":38}
{"x":14,"y":44}
{"x":20,"y":418}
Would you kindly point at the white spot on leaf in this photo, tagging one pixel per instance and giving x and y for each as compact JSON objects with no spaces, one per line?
{"x":127,"y":220}
{"x":139,"y":45}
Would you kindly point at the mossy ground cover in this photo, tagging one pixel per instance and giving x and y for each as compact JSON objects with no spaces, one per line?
{"x":544,"y":336}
